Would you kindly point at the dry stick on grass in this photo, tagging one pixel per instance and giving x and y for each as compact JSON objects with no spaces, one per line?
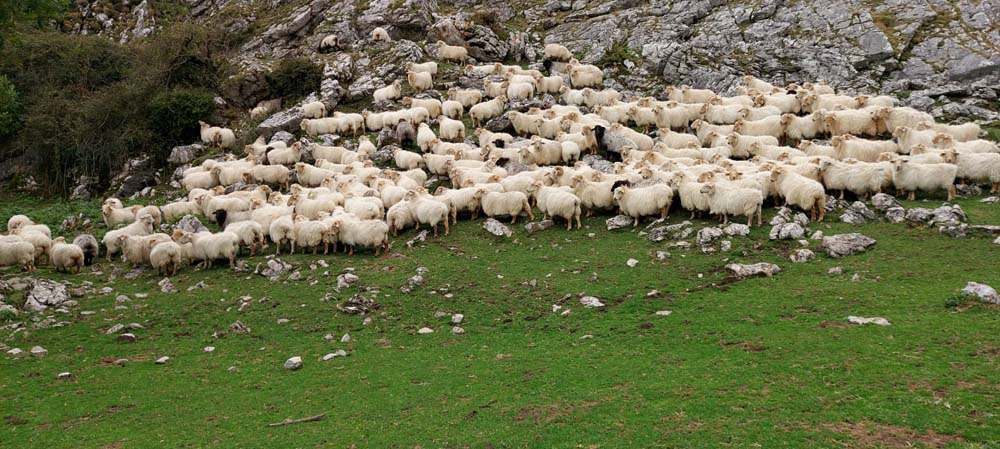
{"x":296,"y":421}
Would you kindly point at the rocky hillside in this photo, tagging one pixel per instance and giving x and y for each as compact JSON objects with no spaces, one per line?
{"x":941,"y":55}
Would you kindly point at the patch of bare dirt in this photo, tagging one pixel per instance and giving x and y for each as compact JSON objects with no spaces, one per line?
{"x":868,"y":434}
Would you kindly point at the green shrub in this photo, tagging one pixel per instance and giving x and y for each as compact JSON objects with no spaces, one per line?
{"x":294,"y":78}
{"x":9,"y":108}
{"x":174,"y":114}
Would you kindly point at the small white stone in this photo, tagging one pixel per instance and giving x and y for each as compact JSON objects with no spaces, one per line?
{"x":457,"y":330}
{"x":329,"y":337}
{"x":425,"y":330}
{"x":591,"y":301}
{"x":631,"y":262}
{"x":367,"y":321}
{"x":566,"y":312}
{"x":162,"y":360}
{"x":209,"y":349}
{"x":346,"y":338}
{"x":457,"y":318}
{"x":866,"y":320}
{"x":38,"y":351}
{"x":556,"y":307}
{"x":15,"y":351}
{"x":293,"y":363}
{"x":663,"y":312}
{"x":64,"y":376}
{"x":282,"y":320}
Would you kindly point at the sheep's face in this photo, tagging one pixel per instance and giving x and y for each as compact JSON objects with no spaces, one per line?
{"x":900,"y":132}
{"x":708,"y":189}
{"x":619,"y":193}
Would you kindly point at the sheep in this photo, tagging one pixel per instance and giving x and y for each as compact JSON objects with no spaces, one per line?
{"x":542,"y":152}
{"x":367,"y":233}
{"x":216,"y":136}
{"x":798,"y":128}
{"x":642,"y":141}
{"x":140,"y":227}
{"x":581,"y":75}
{"x":451,"y":130}
{"x":365,"y":207}
{"x":17,"y":252}
{"x":642,"y":201}
{"x":888,"y":119}
{"x":452,"y":109}
{"x":856,"y":122}
{"x":556,"y":52}
{"x":426,"y":67}
{"x":467,"y":97}
{"x":516,"y":91}
{"x":493,"y":89}
{"x":165,"y":257}
{"x":800,"y":191}
{"x":459,"y":200}
{"x":769,"y":126}
{"x":760,"y":85}
{"x":115,"y":216}
{"x":910,"y":137}
{"x":850,"y":147}
{"x":433,"y":106}
{"x":787,"y":104}
{"x":314,"y":109}
{"x":288,"y":156}
{"x":399,"y":216}
{"x":814,"y":149}
{"x":971,"y":146}
{"x":556,"y":202}
{"x":207,"y":247}
{"x":282,"y":229}
{"x":451,"y":52}
{"x":390,"y":92}
{"x":199,"y":180}
{"x":733,"y":200}
{"x":379,"y":34}
{"x":690,"y":193}
{"x":407,"y":160}
{"x":420,"y":81}
{"x":310,"y":175}
{"x":135,"y":248}
{"x":980,"y":167}
{"x":251,"y":234}
{"x":309,"y":234}
{"x":861,"y":179}
{"x":961,"y":133}
{"x":17,"y":221}
{"x":748,"y":113}
{"x":606,"y":97}
{"x":312,"y":207}
{"x":152,"y":211}
{"x":90,"y":248}
{"x":429,"y":211}
{"x":404,"y":133}
{"x":265,"y":108}
{"x":570,"y":151}
{"x":864,"y":101}
{"x":267,"y":174}
{"x":512,"y":204}
{"x":911,"y":176}
{"x":702,"y":129}
{"x":65,"y":256}
{"x":549,"y":84}
{"x":593,"y":194}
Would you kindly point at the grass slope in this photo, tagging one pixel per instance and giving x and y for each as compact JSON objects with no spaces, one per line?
{"x":761,"y":362}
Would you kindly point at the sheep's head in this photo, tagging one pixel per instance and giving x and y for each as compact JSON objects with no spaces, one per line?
{"x":950,"y":156}
{"x":179,"y":235}
{"x":708,"y":189}
{"x":900,"y":132}
{"x":943,"y":140}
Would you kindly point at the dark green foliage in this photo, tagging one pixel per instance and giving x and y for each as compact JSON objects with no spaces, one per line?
{"x":13,"y":12}
{"x":294,"y":78}
{"x":9,"y":107}
{"x":174,"y":114}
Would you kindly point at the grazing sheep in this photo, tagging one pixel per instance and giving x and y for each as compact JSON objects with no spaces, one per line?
{"x":420,"y":81}
{"x":549,"y":84}
{"x":90,"y":248}
{"x":251,"y":234}
{"x":733,"y":200}
{"x":66,"y":257}
{"x":390,"y":92}
{"x":267,"y":174}
{"x":135,"y":248}
{"x":643,"y":201}
{"x":692,"y":198}
{"x":379,"y":34}
{"x":850,"y":147}
{"x":364,"y":233}
{"x":206,"y":246}
{"x":17,"y":221}
{"x":432,"y":105}
{"x":451,"y":52}
{"x":165,"y":257}
{"x":140,"y":227}
{"x":980,"y":167}
{"x":315,"y":109}
{"x":556,"y":52}
{"x":581,"y":75}
{"x":426,"y":67}
{"x":17,"y":252}
{"x":428,"y":210}
{"x":282,"y":229}
{"x":911,"y":177}
{"x":519,"y":91}
{"x":484,"y":111}
{"x":800,"y":191}
{"x":556,"y":202}
{"x":287,"y":156}
{"x":451,"y":130}
{"x":512,"y":204}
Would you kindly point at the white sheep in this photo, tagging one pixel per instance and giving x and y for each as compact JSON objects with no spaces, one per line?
{"x":570,"y":151}
{"x":390,"y":92}
{"x":511,"y":204}
{"x":451,"y":130}
{"x":407,"y":160}
{"x":910,"y":137}
{"x":287,"y":156}
{"x":481,"y":112}
{"x":364,"y":233}
{"x":138,"y":228}
{"x":638,"y":202}
{"x":314,"y":109}
{"x":199,"y":180}
{"x":451,"y":52}
{"x":556,"y":52}
{"x":17,"y":252}
{"x":281,"y":230}
{"x":207,"y":247}
{"x":800,"y":191}
{"x":585,"y":76}
{"x":856,"y":122}
{"x":165,"y":257}
{"x":251,"y":234}
{"x":980,"y":167}
{"x":862,"y":179}
{"x":17,"y":221}
{"x":426,"y":67}
{"x":911,"y":176}
{"x":850,"y":147}
{"x":961,"y":133}
{"x":268,"y":174}
{"x":66,"y":257}
{"x":798,"y":128}
{"x":593,"y":194}
{"x":428,"y":210}
{"x":769,"y":126}
{"x":420,"y":81}
{"x":115,"y":216}
{"x":556,"y":202}
{"x":519,"y":91}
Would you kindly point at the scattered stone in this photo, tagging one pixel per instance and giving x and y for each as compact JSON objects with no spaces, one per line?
{"x":15,"y":351}
{"x":842,"y":245}
{"x":662,"y":255}
{"x":46,"y":294}
{"x":420,"y":237}
{"x":757,"y":269}
{"x":162,"y":360}
{"x":65,"y":376}
{"x":367,"y":321}
{"x":166,"y":286}
{"x":346,"y":338}
{"x":425,"y":330}
{"x":631,"y":263}
{"x":895,"y":214}
{"x":725,"y":246}
{"x":127,"y":338}
{"x":663,"y":312}
{"x":857,"y":213}
{"x":457,"y":318}
{"x":835,"y":270}
{"x":787,"y":231}
{"x":984,"y":292}
{"x":120,"y":362}
{"x":619,"y":222}
{"x":293,"y":363}
{"x":357,"y":304}
{"x":239,"y":328}
{"x":496,"y":228}
{"x":38,"y":351}
{"x":274,"y":269}
{"x":856,"y":278}
{"x":990,"y":200}
{"x":123,"y":298}
{"x":457,"y":330}
{"x":208,"y":349}
{"x":786,"y":215}
{"x":333,"y":355}
{"x":883,"y":202}
{"x":191,"y":224}
{"x":737,"y":229}
{"x":591,"y":302}
{"x":677,"y":231}
{"x":201,"y":285}
{"x":115,"y":329}
{"x":537,"y":226}
{"x":802,"y":255}
{"x":345,"y":280}
{"x":706,"y":236}
{"x":865,"y":320}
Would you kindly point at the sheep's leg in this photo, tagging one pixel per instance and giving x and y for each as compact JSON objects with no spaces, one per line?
{"x":665,"y":213}
{"x":951,"y":192}
{"x":841,"y":193}
{"x":315,"y":249}
{"x":725,"y":218}
{"x":635,"y":221}
{"x":446,"y":228}
{"x":750,"y":220}
{"x":277,"y":249}
{"x":995,"y":188}
{"x":692,"y":216}
{"x":514,"y":220}
{"x":435,"y":230}
{"x":232,"y":261}
{"x":531,"y":215}
{"x":590,"y":213}
{"x":578,"y":225}
{"x":912,"y":196}
{"x":292,"y":251}
{"x":569,"y":224}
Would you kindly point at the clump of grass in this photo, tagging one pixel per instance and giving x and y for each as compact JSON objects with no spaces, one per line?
{"x":617,"y":54}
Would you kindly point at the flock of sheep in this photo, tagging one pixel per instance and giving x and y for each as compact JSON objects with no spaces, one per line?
{"x":721,"y":155}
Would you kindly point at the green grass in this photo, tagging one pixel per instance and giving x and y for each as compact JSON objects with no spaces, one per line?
{"x":757,"y":363}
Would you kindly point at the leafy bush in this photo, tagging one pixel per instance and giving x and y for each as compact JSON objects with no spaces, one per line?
{"x":294,"y":78}
{"x":9,"y":107}
{"x":174,"y":114}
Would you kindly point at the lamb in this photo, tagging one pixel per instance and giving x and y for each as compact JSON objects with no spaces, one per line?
{"x":861,"y":179}
{"x":140,"y":227}
{"x":251,"y":234}
{"x":556,"y":52}
{"x":379,"y":34}
{"x":90,"y":248}
{"x":66,"y":257}
{"x":452,"y":109}
{"x":165,"y":257}
{"x":732,"y":200}
{"x":390,"y":92}
{"x":282,"y":229}
{"x":366,"y":233}
{"x":426,"y":67}
{"x":17,"y":252}
{"x":287,"y":156}
{"x":420,"y":81}
{"x":429,"y":211}
{"x":207,"y":247}
{"x":452,"y":52}
{"x":770,"y":126}
{"x":451,"y":130}
{"x":314,"y":109}
{"x":512,"y":204}
{"x":407,"y":160}
{"x":800,"y":191}
{"x":850,"y":147}
{"x":556,"y":202}
{"x":980,"y":167}
{"x":642,"y":201}
{"x":961,"y":133}
{"x":911,"y":176}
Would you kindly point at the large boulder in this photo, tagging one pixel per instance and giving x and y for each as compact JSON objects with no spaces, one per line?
{"x":842,"y":245}
{"x":46,"y":294}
